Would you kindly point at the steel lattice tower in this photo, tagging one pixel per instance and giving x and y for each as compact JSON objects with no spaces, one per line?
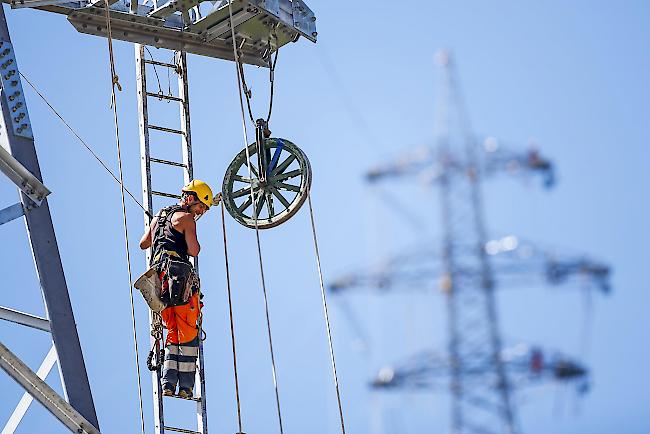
{"x":482,"y":374}
{"x":479,"y":404}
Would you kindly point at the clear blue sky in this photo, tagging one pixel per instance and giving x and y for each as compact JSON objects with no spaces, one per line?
{"x":572,"y":75}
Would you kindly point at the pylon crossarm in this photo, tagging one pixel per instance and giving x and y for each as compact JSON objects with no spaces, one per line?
{"x":531,"y":366}
{"x":51,"y":400}
{"x":491,"y":159}
{"x":526,"y":365}
{"x":514,"y":261}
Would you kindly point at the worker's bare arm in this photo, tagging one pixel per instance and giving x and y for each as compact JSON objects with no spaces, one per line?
{"x":188,"y":225}
{"x":146,"y":240}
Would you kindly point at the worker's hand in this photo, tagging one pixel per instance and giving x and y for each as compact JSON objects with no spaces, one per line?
{"x":217,"y":199}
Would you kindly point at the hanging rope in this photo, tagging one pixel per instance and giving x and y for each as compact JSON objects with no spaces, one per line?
{"x":252,"y":195}
{"x":326,"y":313}
{"x":232,"y":321}
{"x":115,"y":82}
{"x":83,"y":142}
{"x":242,"y":78}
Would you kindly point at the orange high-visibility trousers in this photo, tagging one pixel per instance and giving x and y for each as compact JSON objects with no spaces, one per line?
{"x":181,"y":321}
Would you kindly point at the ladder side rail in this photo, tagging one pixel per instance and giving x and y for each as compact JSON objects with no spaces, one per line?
{"x":147,"y":201}
{"x":47,"y":259}
{"x":183,"y":91}
{"x":188,"y":172}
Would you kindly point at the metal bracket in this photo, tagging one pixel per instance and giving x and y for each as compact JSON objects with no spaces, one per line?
{"x":11,"y":213}
{"x":19,"y":175}
{"x":173,"y":6}
{"x":304,"y":20}
{"x":12,"y":91}
{"x":271,"y":6}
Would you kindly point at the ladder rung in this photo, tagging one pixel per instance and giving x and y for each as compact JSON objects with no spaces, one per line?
{"x":171,"y":428}
{"x":163,"y":96}
{"x":155,"y":62}
{"x":166,"y":130}
{"x":170,"y":163}
{"x":194,"y":398}
{"x":163,"y":194}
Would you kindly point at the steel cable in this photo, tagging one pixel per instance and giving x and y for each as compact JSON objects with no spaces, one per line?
{"x":232,"y":321}
{"x":83,"y":142}
{"x":252,"y":195}
{"x":326,"y":313}
{"x":115,"y":82}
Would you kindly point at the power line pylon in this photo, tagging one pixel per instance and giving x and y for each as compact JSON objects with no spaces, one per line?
{"x":480,"y":384}
{"x":483,"y":405}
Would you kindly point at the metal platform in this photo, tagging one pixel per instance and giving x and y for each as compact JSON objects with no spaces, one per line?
{"x":261,"y":26}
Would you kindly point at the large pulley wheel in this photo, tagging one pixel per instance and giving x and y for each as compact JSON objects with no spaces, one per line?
{"x":281,"y":180}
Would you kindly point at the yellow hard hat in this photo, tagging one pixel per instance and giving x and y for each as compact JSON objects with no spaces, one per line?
{"x":201,"y":189}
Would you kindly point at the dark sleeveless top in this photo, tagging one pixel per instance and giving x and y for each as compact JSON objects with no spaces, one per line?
{"x":166,"y":237}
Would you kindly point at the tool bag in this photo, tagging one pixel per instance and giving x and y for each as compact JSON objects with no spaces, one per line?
{"x":150,"y":286}
{"x":182,"y":282}
{"x":179,"y":281}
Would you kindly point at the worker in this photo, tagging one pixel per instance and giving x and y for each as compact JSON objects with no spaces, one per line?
{"x":172,"y":237}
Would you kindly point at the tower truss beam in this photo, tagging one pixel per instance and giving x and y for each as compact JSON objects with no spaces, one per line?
{"x":51,"y":400}
{"x":19,"y":141}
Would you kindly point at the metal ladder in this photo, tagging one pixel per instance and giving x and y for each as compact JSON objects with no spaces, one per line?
{"x":145,"y":97}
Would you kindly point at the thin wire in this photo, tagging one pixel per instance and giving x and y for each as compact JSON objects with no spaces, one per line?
{"x":232,"y":321}
{"x":257,"y":231}
{"x":115,"y":82}
{"x":99,"y":160}
{"x":326,"y":313}
{"x":155,"y":70}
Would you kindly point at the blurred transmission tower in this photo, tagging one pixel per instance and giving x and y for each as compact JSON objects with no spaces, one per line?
{"x":480,"y":371}
{"x":483,"y":405}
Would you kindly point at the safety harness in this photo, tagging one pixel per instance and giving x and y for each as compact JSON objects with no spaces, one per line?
{"x":179,"y":280}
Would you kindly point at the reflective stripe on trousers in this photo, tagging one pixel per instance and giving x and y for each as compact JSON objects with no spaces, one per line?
{"x":180,"y":364}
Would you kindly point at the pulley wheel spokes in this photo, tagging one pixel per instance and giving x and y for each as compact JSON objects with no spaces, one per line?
{"x":278,"y":194}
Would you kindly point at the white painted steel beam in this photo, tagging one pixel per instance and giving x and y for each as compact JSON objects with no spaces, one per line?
{"x":26,"y":400}
{"x":25,"y":319}
{"x":44,"y":394}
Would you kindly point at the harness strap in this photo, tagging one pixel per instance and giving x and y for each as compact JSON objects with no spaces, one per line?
{"x":158,"y":257}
